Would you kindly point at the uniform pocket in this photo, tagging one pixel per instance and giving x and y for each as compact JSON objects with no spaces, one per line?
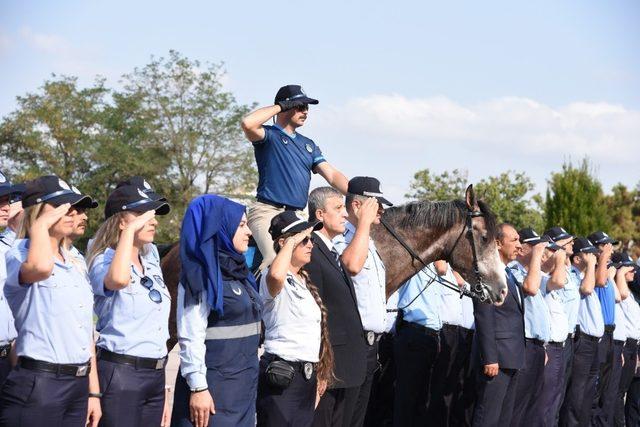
{"x":106,"y":374}
{"x":19,"y":386}
{"x":54,"y":296}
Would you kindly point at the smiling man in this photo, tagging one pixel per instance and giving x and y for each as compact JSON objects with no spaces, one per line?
{"x":285,"y":160}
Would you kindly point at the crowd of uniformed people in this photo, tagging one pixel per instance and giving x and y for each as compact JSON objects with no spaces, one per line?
{"x":309,"y":336}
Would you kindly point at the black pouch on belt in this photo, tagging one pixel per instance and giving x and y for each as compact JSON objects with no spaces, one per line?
{"x":280,"y":373}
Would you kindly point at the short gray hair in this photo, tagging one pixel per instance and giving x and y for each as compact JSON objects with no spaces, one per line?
{"x":318,"y":198}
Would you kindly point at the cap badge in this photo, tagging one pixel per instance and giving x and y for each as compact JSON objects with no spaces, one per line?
{"x":302,"y":91}
{"x":142,"y":194}
{"x":309,"y":148}
{"x":75,"y":189}
{"x":146,"y":184}
{"x":3,"y":178}
{"x":63,"y":184}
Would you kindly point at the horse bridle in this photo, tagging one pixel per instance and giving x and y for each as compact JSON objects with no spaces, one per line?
{"x":480,"y":289}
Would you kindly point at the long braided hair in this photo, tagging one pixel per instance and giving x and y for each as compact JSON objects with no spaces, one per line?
{"x":325,"y":365}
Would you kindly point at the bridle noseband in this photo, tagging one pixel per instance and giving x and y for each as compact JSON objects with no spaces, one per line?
{"x":480,"y":289}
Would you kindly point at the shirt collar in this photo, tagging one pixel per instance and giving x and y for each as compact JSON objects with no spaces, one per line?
{"x":293,"y":135}
{"x":325,"y":239}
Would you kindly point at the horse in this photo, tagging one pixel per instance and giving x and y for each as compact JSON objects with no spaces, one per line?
{"x":459,"y":232}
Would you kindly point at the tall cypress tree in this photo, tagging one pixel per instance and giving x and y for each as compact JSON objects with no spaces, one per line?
{"x":575,"y":200}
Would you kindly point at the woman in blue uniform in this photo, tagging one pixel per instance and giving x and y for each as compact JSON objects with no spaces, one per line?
{"x":132,"y":304}
{"x":219,"y":314}
{"x":55,"y":381}
{"x":297,"y":364}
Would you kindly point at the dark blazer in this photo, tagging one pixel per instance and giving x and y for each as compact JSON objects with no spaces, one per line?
{"x":345,"y":327}
{"x":499,"y":336}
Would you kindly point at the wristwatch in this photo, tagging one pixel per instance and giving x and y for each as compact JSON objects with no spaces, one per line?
{"x":198,"y":390}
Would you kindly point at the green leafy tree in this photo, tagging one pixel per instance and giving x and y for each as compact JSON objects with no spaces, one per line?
{"x":446,"y":186}
{"x":623,"y":208}
{"x":575,"y":200}
{"x":507,"y":196}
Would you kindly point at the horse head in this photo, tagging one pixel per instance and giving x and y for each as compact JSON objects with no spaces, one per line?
{"x":474,"y":253}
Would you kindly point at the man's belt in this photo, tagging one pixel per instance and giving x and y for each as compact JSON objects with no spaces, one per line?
{"x":619,"y":342}
{"x":81,"y":370}
{"x":306,"y":368}
{"x":609,"y":328}
{"x":278,"y":205}
{"x":556,"y":344}
{"x":4,"y":351}
{"x":535,"y":341}
{"x":422,"y":329}
{"x":371,"y":337}
{"x":631,"y":341}
{"x":588,"y":337}
{"x":136,"y":362}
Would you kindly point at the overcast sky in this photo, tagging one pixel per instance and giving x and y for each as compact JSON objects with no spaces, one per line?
{"x":482,"y":86}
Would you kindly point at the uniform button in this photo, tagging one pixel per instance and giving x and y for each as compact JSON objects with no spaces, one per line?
{"x":160,"y":328}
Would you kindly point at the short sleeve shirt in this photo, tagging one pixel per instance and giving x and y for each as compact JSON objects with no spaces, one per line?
{"x":607,"y":297}
{"x":291,"y":320}
{"x":420,"y":299}
{"x":54,"y":316}
{"x":130,"y":322}
{"x":536,"y":313}
{"x":558,"y":325}
{"x":285,"y":163}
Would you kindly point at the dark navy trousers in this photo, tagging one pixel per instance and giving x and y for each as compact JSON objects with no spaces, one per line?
{"x":380,"y":407}
{"x":607,"y":384}
{"x":576,"y":409}
{"x":632,"y":403}
{"x":360,"y":411}
{"x":130,"y":397}
{"x":630,"y":352}
{"x":496,"y":396}
{"x":43,"y":399}
{"x":5,"y":368}
{"x":546,"y":412}
{"x":530,"y":382}
{"x":292,"y":406}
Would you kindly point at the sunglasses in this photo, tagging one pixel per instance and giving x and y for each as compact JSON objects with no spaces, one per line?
{"x":302,"y":108}
{"x":306,"y":240}
{"x":154,"y":294}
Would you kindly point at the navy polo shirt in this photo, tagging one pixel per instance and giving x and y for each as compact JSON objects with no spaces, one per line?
{"x":607,"y":297}
{"x":285,"y":163}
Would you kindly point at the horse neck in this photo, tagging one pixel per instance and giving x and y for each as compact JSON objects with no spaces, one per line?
{"x":429,"y":244}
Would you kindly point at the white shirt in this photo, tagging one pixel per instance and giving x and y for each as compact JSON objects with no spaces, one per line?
{"x":631,"y":311}
{"x":369,"y":283}
{"x":291,"y":320}
{"x":559,"y":325}
{"x":390,"y":319}
{"x":451,"y":307}
{"x":620,"y":332}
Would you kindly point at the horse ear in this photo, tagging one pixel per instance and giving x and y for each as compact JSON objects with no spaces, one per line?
{"x":470,"y":198}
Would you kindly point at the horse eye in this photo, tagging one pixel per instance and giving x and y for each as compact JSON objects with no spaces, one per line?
{"x":484,"y":239}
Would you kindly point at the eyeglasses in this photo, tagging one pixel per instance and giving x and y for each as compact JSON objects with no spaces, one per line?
{"x":304,"y":241}
{"x":154,"y":294}
{"x":302,"y":108}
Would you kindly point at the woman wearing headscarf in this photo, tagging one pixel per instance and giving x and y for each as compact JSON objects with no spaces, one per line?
{"x":219,"y":315}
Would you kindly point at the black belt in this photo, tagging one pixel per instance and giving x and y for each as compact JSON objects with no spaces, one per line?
{"x":420,"y":328}
{"x":535,"y":341}
{"x":306,"y":368}
{"x":81,"y":370}
{"x":4,"y":351}
{"x":589,"y":337}
{"x":609,"y":328}
{"x":450,"y":327}
{"x":619,"y":342}
{"x":278,"y":205}
{"x":631,"y":341}
{"x":557,"y":344}
{"x":136,"y":362}
{"x":371,"y":337}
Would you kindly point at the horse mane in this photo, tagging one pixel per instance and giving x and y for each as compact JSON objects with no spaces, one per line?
{"x":440,"y":215}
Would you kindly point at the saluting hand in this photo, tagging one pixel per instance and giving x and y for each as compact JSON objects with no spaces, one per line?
{"x":368,"y":211}
{"x":139,"y":223}
{"x":201,"y":407}
{"x":297,"y":238}
{"x":49,"y":218}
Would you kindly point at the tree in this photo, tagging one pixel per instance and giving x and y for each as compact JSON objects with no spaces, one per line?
{"x":507,"y":196}
{"x":446,"y":186}
{"x":623,"y":208}
{"x":575,"y":200}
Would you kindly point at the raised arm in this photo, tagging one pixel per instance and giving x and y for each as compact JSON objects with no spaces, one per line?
{"x":559,"y":275}
{"x":589,"y":280}
{"x":602,"y":273}
{"x":355,"y":255}
{"x":252,"y":122}
{"x":531,"y":284}
{"x":281,"y":264}
{"x":333,"y":176}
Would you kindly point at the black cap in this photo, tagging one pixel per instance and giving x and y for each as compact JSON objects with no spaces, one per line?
{"x":14,"y":191}
{"x":288,"y":222}
{"x":368,"y":187}
{"x":142,"y":184}
{"x":93,"y":205}
{"x":622,"y":259}
{"x":291,"y":92}
{"x":600,"y":238}
{"x":557,"y":233}
{"x":528,"y":235}
{"x":582,"y":244}
{"x":551,"y":245}
{"x":55,"y":191}
{"x":134,"y":199}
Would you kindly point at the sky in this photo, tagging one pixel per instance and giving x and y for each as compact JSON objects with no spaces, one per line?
{"x":484,"y":87}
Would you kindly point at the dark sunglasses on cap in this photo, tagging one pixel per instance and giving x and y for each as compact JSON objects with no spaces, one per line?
{"x":154,"y":294}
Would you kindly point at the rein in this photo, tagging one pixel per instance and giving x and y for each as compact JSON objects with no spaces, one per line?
{"x":478,"y":291}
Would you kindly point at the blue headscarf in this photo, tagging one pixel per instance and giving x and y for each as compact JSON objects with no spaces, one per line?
{"x":206,"y":249}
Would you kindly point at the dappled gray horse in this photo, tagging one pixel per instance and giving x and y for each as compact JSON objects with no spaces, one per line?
{"x":433,"y":230}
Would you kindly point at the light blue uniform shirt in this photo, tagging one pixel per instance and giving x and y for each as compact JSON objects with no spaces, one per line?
{"x":558,"y":324}
{"x":53,"y":317}
{"x":536,"y":314}
{"x":631,"y":311}
{"x":620,"y":332}
{"x":425,"y":309}
{"x":8,"y":331}
{"x":369,"y":283}
{"x":451,"y":310}
{"x":129,"y":322}
{"x":7,"y":238}
{"x":392,"y":314}
{"x":590,"y":315}
{"x":571,"y":297}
